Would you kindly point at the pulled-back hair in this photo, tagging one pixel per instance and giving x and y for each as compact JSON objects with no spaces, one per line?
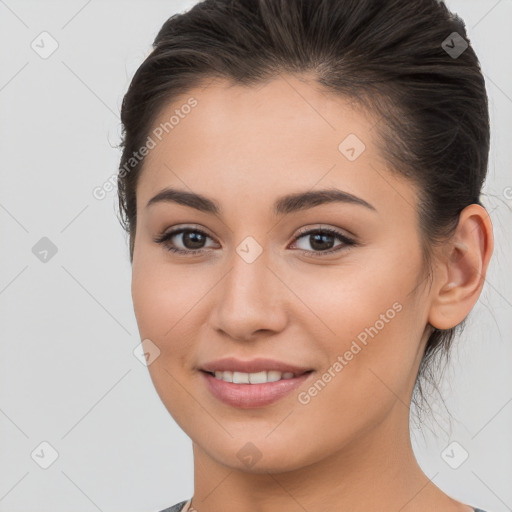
{"x":396,"y":58}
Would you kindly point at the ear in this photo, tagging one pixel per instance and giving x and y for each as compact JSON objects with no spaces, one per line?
{"x":461,"y":268}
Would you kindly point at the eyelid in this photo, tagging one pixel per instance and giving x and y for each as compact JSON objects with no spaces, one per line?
{"x":325,"y":227}
{"x":179,"y":228}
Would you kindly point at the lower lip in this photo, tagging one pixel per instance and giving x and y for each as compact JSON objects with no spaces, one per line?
{"x":252,"y":396}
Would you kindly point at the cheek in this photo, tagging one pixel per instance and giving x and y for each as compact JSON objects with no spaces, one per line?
{"x":348,"y":298}
{"x":367,"y":315}
{"x":169,"y":303}
{"x":370,"y":361}
{"x":163,"y":295}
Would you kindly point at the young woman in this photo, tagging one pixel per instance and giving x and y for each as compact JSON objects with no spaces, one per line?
{"x":300,"y":181}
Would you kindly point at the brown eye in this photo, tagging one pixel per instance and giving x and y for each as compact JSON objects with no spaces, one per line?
{"x":192,"y":240}
{"x":321,"y":241}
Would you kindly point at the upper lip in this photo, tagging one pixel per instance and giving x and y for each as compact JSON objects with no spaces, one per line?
{"x":252,"y":366}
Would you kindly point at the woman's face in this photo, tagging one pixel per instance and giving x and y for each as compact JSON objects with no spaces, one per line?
{"x":352,"y":307}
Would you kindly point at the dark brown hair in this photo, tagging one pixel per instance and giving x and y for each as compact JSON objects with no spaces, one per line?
{"x":393,"y":57}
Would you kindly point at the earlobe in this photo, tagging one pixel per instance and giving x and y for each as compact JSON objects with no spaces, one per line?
{"x":461,"y":268}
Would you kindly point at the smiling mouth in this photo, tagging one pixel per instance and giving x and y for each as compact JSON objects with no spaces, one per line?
{"x":253,"y":390}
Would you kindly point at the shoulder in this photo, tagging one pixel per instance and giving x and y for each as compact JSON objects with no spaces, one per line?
{"x":176,"y":508}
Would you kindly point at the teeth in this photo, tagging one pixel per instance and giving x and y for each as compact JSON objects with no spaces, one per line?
{"x":240,"y":378}
{"x":253,"y":378}
{"x":227,"y":376}
{"x":256,"y":378}
{"x":273,"y":376}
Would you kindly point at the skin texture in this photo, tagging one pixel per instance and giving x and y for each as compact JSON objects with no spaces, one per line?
{"x":349,"y":447}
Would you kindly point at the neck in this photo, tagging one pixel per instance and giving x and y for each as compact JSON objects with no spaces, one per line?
{"x":376,"y":471}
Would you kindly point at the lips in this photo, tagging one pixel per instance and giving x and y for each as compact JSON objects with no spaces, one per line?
{"x":252,"y":384}
{"x":253,"y":396}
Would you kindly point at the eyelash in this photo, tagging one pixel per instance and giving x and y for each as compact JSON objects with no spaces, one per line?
{"x":347,"y":242}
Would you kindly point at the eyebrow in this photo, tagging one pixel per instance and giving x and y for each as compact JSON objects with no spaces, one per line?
{"x":284,"y":205}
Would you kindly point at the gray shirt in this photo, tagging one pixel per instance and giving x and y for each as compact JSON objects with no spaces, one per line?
{"x":179,"y":506}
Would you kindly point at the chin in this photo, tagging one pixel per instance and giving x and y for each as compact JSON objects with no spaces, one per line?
{"x":250,"y":455}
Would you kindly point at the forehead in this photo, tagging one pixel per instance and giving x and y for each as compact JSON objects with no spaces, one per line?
{"x":284,"y":135}
{"x":282,"y":116}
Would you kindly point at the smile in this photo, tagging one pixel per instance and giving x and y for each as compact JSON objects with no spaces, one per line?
{"x":254,"y":390}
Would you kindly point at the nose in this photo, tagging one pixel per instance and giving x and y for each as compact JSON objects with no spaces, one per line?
{"x":250,"y":300}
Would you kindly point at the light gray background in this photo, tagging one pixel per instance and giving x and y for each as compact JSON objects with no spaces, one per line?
{"x":67,"y":369}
